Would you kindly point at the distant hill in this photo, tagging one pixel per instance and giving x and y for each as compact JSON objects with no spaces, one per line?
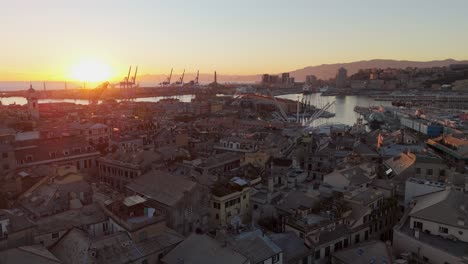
{"x":324,"y":71}
{"x":327,"y":71}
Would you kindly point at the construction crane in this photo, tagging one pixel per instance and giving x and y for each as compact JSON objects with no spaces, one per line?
{"x":124,"y":83}
{"x":128,"y":82}
{"x":96,"y":93}
{"x":181,"y":79}
{"x":134,"y":76}
{"x":195,"y":82}
{"x":168,"y":80}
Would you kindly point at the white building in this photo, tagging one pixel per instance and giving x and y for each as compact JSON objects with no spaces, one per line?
{"x":416,"y":187}
{"x":435,"y":230}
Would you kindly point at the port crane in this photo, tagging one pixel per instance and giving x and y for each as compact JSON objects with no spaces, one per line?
{"x":195,"y":82}
{"x":125,"y":82}
{"x":128,"y":82}
{"x":181,"y":79}
{"x":168,"y":80}
{"x":134,"y":76}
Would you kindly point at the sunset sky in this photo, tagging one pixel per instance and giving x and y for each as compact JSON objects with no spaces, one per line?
{"x":51,"y":39}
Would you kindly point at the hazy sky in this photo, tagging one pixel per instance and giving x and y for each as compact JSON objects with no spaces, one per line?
{"x":43,"y":39}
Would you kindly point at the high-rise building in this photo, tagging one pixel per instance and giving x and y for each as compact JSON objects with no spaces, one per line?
{"x":274,"y":79}
{"x":285,"y":77}
{"x":341,"y":77}
{"x":311,"y":79}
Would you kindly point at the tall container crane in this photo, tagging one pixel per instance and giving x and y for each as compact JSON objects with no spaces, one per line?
{"x":181,"y":80}
{"x":127,"y":84}
{"x":195,"y":82}
{"x":168,"y":80}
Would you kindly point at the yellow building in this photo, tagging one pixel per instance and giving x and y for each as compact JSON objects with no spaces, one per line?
{"x":230,"y":203}
{"x":258,"y":159}
{"x":216,"y":107}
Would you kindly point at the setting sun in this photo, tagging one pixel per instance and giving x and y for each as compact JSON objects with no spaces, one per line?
{"x":91,"y":71}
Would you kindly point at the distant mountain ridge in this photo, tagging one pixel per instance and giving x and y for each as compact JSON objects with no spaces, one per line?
{"x":327,"y":71}
{"x":324,"y":71}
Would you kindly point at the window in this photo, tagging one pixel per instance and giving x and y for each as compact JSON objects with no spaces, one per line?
{"x":276,"y":258}
{"x":357,"y":238}
{"x":426,"y":259}
{"x":6,"y":166}
{"x":429,"y":171}
{"x":317,"y":254}
{"x":443,"y":230}
{"x":217,"y":216}
{"x":5,"y":155}
{"x":366,"y":235}
{"x":327,"y":251}
{"x":345,"y":243}
{"x":55,"y":235}
{"x":145,"y":261}
{"x":305,"y":260}
{"x":418,"y":225}
{"x":442,"y":172}
{"x":338,"y":245}
{"x":29,"y":158}
{"x":105,"y":227}
{"x":418,"y":170}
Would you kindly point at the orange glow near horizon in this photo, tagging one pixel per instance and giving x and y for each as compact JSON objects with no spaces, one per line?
{"x":91,"y":71}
